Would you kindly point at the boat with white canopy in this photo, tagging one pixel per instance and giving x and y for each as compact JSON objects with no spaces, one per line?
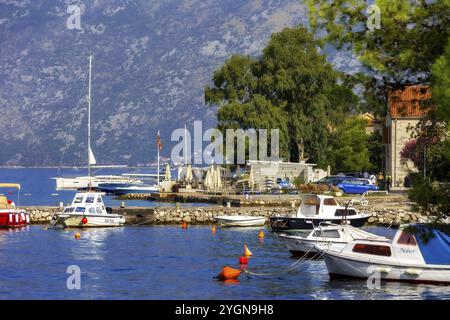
{"x":315,"y":209}
{"x":418,"y":253}
{"x":326,"y":236}
{"x":87,"y":210}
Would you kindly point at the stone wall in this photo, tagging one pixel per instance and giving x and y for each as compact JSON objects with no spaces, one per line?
{"x":206,"y":215}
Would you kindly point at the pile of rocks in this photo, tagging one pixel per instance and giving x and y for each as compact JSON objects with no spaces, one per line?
{"x":394,"y":217}
{"x":207,"y":215}
{"x":41,"y":215}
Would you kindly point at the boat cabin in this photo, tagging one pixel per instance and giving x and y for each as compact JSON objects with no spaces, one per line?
{"x":324,"y":206}
{"x":87,"y":203}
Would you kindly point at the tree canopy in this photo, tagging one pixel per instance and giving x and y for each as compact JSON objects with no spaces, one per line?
{"x":290,"y":86}
{"x":403,"y":49}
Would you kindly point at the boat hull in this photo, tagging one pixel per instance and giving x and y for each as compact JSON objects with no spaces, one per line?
{"x":340,"y":266}
{"x":75,"y":221}
{"x":286,"y":223}
{"x":13,"y":219}
{"x":240,"y":221}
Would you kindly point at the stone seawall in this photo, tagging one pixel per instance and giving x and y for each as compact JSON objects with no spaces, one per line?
{"x":206,"y":215}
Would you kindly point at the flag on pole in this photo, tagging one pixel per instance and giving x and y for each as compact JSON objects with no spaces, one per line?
{"x":158,"y":141}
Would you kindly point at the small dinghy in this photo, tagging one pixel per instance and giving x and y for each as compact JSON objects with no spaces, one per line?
{"x":241,"y":221}
{"x":87,"y":210}
{"x":408,"y":257}
{"x":327,"y":236}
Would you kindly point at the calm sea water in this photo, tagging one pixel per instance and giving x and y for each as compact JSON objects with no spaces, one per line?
{"x":39,"y":189}
{"x":166,"y":262}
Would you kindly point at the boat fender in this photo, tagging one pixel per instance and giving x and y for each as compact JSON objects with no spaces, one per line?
{"x":84,"y":220}
{"x":17,"y":217}
{"x":413,"y":272}
{"x":384,"y":269}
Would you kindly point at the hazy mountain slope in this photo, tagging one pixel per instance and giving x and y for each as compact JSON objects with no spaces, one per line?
{"x":152,"y":60}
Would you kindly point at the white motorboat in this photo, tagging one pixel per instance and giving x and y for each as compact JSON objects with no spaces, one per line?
{"x":241,"y":221}
{"x":315,"y":209}
{"x":131,"y":189}
{"x":335,"y":237}
{"x":94,"y":182}
{"x":406,"y":258}
{"x":87,"y":210}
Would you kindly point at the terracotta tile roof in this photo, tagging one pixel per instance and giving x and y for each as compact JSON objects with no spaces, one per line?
{"x":405,"y":103}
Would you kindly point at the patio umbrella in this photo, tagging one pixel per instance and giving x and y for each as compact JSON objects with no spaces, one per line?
{"x":189,"y":175}
{"x":167,"y":174}
{"x":251,"y":179}
{"x":218,"y":178}
{"x":208,"y":179}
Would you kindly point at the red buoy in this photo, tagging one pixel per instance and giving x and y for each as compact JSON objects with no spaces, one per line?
{"x":243,"y":260}
{"x":84,"y":220}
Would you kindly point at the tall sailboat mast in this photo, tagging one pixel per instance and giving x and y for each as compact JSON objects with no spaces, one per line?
{"x":89,"y":117}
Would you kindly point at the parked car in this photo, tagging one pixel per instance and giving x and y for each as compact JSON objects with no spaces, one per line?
{"x":358,"y":186}
{"x":333,"y":180}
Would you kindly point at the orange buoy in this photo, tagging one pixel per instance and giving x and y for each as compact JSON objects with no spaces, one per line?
{"x":213,"y":228}
{"x":228,"y":273}
{"x":184,"y":225}
{"x":261,"y":234}
{"x":243,"y":260}
{"x":247,"y":252}
{"x":77,"y":235}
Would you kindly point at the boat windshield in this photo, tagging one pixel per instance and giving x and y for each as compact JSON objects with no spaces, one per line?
{"x":78,"y":199}
{"x":79,"y":209}
{"x":90,"y":199}
{"x":99,"y":210}
{"x":327,"y":234}
{"x":330,"y":202}
{"x":311,"y":201}
{"x":69,"y":209}
{"x":92,"y":210}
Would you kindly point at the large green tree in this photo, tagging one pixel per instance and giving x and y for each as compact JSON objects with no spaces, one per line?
{"x":291,"y":87}
{"x":347,"y":150}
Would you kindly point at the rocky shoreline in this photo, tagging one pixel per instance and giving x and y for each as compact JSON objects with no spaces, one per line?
{"x":206,"y":215}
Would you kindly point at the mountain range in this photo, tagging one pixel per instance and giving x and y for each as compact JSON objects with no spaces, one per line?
{"x":152,"y":60}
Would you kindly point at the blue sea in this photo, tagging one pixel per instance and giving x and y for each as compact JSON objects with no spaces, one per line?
{"x":163,"y":262}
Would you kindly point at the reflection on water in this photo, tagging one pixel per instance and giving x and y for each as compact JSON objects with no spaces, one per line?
{"x":166,"y":262}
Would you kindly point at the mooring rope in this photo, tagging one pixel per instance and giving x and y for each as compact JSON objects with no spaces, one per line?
{"x":289,"y":269}
{"x":138,"y":224}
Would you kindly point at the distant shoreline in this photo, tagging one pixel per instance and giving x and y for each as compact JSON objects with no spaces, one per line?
{"x":74,"y":167}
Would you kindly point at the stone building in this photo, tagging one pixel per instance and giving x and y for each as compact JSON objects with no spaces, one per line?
{"x":403,"y":113}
